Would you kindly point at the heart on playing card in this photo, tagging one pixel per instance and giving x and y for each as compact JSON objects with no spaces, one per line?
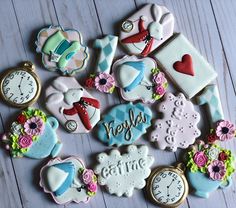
{"x":185,"y":66}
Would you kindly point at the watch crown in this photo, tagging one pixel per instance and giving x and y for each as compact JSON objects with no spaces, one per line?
{"x":29,"y":65}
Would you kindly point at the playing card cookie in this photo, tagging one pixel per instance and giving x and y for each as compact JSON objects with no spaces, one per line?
{"x":68,"y":180}
{"x":122,"y":173}
{"x":72,"y":105}
{"x":124,"y":124}
{"x":33,"y":135}
{"x":185,"y":66}
{"x":139,"y":79}
{"x":178,"y":127}
{"x":62,"y":50}
{"x":147,"y":29}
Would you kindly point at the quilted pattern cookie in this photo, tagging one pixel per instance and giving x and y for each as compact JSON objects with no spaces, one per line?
{"x":178,"y":127}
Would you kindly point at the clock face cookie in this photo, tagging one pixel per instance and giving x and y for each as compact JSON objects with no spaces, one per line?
{"x":20,"y":86}
{"x":147,"y":29}
{"x":122,"y":173}
{"x":33,"y":135}
{"x":62,"y":50}
{"x":178,"y":127}
{"x":68,"y":180}
{"x":139,"y":79}
{"x":124,"y":124}
{"x":72,"y":105}
{"x":185,"y":66}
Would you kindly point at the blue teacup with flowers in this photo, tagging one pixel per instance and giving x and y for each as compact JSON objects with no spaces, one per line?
{"x":33,"y":134}
{"x":209,"y":167}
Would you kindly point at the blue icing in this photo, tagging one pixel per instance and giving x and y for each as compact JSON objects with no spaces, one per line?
{"x":124,"y":124}
{"x":139,"y":65}
{"x":69,"y":56}
{"x":69,"y":168}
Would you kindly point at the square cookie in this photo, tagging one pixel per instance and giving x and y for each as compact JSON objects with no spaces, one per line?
{"x":185,"y":66}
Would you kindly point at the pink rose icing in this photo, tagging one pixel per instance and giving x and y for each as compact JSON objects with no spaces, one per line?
{"x":200,"y":159}
{"x":92,"y":187}
{"x":25,"y":141}
{"x":87,"y":176}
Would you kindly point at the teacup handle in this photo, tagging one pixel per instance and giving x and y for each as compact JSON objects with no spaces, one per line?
{"x":226,"y":183}
{"x":53,"y":122}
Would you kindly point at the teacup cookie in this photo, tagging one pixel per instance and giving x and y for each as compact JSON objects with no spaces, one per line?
{"x":139,"y":79}
{"x":147,"y":29}
{"x":62,"y":50}
{"x":178,"y":127}
{"x":124,"y":124}
{"x":68,"y":180}
{"x":33,"y":135}
{"x":122,"y":173}
{"x":72,"y":105}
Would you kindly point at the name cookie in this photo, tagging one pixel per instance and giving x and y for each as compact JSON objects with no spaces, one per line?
{"x":68,"y":180}
{"x":62,"y":50}
{"x":124,"y":124}
{"x":122,"y":173}
{"x":33,"y":135}
{"x":147,"y":29}
{"x":139,"y":79}
{"x":178,"y":127}
{"x":73,"y":106}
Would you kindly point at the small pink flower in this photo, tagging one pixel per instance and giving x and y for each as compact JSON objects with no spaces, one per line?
{"x":159,"y":78}
{"x":104,"y":82}
{"x":159,"y":90}
{"x":87,"y":176}
{"x":34,"y":126}
{"x":200,"y":159}
{"x":225,"y":130}
{"x":216,"y":170}
{"x":92,"y":187}
{"x":25,"y":141}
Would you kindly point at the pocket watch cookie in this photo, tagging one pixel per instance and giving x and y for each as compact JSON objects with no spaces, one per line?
{"x":178,"y":127}
{"x":185,"y":66}
{"x":20,"y":86}
{"x":124,"y":124}
{"x":122,"y":173}
{"x":33,"y":135}
{"x":62,"y":50}
{"x":167,"y":186}
{"x":139,"y":79}
{"x":209,"y":167}
{"x":72,"y":105}
{"x":68,"y":180}
{"x":147,"y":29}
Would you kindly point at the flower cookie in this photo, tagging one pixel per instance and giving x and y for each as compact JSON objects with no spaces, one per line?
{"x":74,"y":107}
{"x":33,"y":135}
{"x":68,"y":180}
{"x":209,"y":167}
{"x":139,"y":79}
{"x":147,"y":29}
{"x":62,"y":50}
{"x":124,"y":124}
{"x":178,"y":127}
{"x":122,"y":173}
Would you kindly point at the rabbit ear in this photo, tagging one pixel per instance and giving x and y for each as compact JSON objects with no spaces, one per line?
{"x":165,"y":18}
{"x":59,"y":86}
{"x":156,"y":12}
{"x":55,"y":98}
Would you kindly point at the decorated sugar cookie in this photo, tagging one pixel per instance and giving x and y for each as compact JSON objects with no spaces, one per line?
{"x":124,"y":124}
{"x":62,"y":50}
{"x":33,"y":135}
{"x":209,"y":167}
{"x":185,"y":66}
{"x":139,"y":79}
{"x":147,"y":29}
{"x":68,"y":180}
{"x":72,"y":105}
{"x":178,"y":127}
{"x":122,"y":173}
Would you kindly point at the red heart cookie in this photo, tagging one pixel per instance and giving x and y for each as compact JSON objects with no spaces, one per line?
{"x":185,"y":66}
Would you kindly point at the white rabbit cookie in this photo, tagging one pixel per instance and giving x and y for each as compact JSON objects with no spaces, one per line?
{"x":74,"y":107}
{"x":147,"y":29}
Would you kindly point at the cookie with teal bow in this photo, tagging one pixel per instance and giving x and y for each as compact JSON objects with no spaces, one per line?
{"x":33,"y":135}
{"x":62,"y":50}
